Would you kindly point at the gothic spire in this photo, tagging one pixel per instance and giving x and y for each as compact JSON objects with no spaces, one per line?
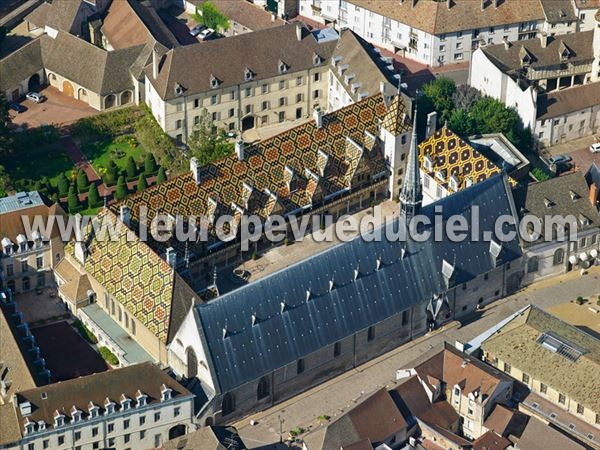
{"x":411,"y":196}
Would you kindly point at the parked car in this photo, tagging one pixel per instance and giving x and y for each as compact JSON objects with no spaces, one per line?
{"x":197,"y":30}
{"x":35,"y":97}
{"x":560,"y":159}
{"x":16,"y":107}
{"x":595,"y":148}
{"x":206,"y":34}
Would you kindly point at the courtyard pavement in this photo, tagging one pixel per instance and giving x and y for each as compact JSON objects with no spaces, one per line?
{"x":42,"y":307}
{"x":343,"y":392}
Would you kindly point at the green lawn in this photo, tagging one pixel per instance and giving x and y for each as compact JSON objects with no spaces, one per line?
{"x":47,"y":161}
{"x":99,"y":153}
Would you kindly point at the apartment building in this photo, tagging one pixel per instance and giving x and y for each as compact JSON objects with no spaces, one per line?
{"x":135,"y":407}
{"x":445,"y":32}
{"x":27,"y":257}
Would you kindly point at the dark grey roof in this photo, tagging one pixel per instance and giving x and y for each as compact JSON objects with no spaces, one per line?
{"x":559,"y":103}
{"x":557,"y":11}
{"x":578,"y":44}
{"x":60,"y":14}
{"x":207,"y":438}
{"x":20,"y":65}
{"x":279,"y":338}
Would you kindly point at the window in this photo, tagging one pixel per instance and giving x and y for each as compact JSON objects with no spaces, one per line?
{"x":213,"y":100}
{"x":132,"y":327}
{"x":533,"y":264}
{"x":507,"y":367}
{"x":405,"y":317}
{"x":10,"y":270}
{"x":196,"y":103}
{"x":486,"y":276}
{"x":248,"y":92}
{"x":459,"y":46}
{"x":111,"y":427}
{"x":561,"y":399}
{"x":597,"y":419}
{"x":464,"y":286}
{"x":126,"y":438}
{"x":298,"y":113}
{"x":470,"y":411}
{"x":559,"y":256}
{"x":543,"y":388}
{"x":77,"y":435}
{"x":371,"y":333}
{"x":31,"y":447}
{"x":317,"y":76}
{"x":525,"y":378}
{"x":176,"y":411}
{"x":316,"y":93}
{"x":281,"y":84}
{"x":262,"y":389}
{"x":337,"y":349}
{"x":39,"y":262}
{"x":157,"y":416}
{"x":232,"y":95}
{"x":264,"y":89}
{"x":46,"y":443}
{"x":458,"y":56}
{"x":580,"y":409}
{"x":143,"y":434}
{"x":299,"y":81}
{"x":142,"y":420}
{"x":126,"y":424}
{"x":178,"y":124}
{"x":157,"y":439}
{"x":281,"y":116}
{"x":282,"y":101}
{"x":96,"y":445}
{"x":111,"y":442}
{"x":61,"y":439}
{"x":24,"y":267}
{"x":300,"y":366}
{"x":94,"y":431}
{"x":299,"y":98}
{"x":228,"y":404}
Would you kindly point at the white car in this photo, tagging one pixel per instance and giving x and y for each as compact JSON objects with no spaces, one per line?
{"x":205,"y":34}
{"x":595,"y":148}
{"x":35,"y":97}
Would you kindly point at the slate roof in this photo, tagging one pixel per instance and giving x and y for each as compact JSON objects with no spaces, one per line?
{"x":20,"y":65}
{"x":112,"y":384}
{"x":281,"y":337}
{"x":579,"y":45}
{"x":434,"y":16}
{"x":559,"y":103}
{"x":451,"y":156}
{"x":571,"y":378}
{"x":564,"y":195}
{"x":557,"y":11}
{"x":227,"y":59}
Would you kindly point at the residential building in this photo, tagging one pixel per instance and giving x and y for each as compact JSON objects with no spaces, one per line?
{"x":554,"y":252}
{"x":318,"y":318}
{"x":554,"y":361}
{"x":207,"y":438}
{"x":449,"y":164}
{"x":436,"y":33}
{"x":134,"y":407}
{"x":586,"y":10}
{"x":63,"y":15}
{"x":537,"y":435}
{"x":27,"y":257}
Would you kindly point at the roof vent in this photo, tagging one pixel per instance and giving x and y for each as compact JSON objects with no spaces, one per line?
{"x":225,"y":332}
{"x":283,"y":307}
{"x":549,"y":203}
{"x":574,"y":195}
{"x":248,"y":74}
{"x":331,"y":285}
{"x":378,"y":264}
{"x":254,"y":319}
{"x":356,"y":273}
{"x":308,"y":295}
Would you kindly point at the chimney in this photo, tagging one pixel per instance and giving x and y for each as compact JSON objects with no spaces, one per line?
{"x":594,"y":194}
{"x":195,"y":168}
{"x":239,"y":149}
{"x":383,"y":90}
{"x":496,"y":3}
{"x":273,"y":17}
{"x":506,"y":44}
{"x":80,"y":250}
{"x":155,"y":62}
{"x":431,"y":123}
{"x":171,"y":257}
{"x":299,"y":32}
{"x":544,"y":39}
{"x":414,"y":3}
{"x":125,"y":215}
{"x":318,"y":116}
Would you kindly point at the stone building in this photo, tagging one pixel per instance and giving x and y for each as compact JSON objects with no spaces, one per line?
{"x":28,"y":257}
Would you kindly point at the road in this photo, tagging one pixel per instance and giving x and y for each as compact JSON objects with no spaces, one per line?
{"x":343,"y":392}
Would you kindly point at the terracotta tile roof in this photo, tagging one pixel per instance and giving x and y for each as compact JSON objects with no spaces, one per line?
{"x":451,"y":156}
{"x":505,"y":421}
{"x":557,"y":104}
{"x":434,"y":16}
{"x":491,"y":441}
{"x":227,"y":59}
{"x":11,"y":223}
{"x":76,"y":284}
{"x":245,"y":13}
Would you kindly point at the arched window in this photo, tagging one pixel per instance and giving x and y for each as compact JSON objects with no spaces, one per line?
{"x":559,"y":257}
{"x":192,"y":363}
{"x":125,"y":97}
{"x":228,"y":405}
{"x":533,"y":264}
{"x":109,"y":101}
{"x":262,"y":390}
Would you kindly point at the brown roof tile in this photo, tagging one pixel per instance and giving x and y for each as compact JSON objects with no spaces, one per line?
{"x":245,"y":13}
{"x":559,"y":103}
{"x":491,"y":441}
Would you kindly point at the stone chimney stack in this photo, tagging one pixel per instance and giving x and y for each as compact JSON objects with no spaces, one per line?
{"x":544,"y":39}
{"x":195,"y":168}
{"x":318,"y":116}
{"x":155,"y":62}
{"x":299,"y":32}
{"x":594,"y":194}
{"x":239,"y":149}
{"x":431,"y":123}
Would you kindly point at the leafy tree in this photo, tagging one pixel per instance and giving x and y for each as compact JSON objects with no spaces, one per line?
{"x":540,"y":174}
{"x":461,"y":123}
{"x":465,"y":97}
{"x":162,"y":176}
{"x":82,"y":181}
{"x":131,"y":167}
{"x":439,"y":94}
{"x":62,"y":184}
{"x":213,"y":18}
{"x":121,"y":191}
{"x":5,"y":137}
{"x":93,"y":196}
{"x":4,"y":181}
{"x":206,"y":144}
{"x":72,"y":200}
{"x":142,"y":183}
{"x":149,"y":164}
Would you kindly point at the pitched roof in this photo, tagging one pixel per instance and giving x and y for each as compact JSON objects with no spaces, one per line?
{"x":451,"y":156}
{"x":505,"y":421}
{"x":227,"y":59}
{"x":436,"y":18}
{"x":138,"y":278}
{"x":59,"y":14}
{"x":539,"y":436}
{"x":491,"y":441}
{"x":509,"y":59}
{"x":76,"y":284}
{"x":280,"y":337}
{"x":557,"y":11}
{"x":11,"y":223}
{"x":207,"y":438}
{"x":245,"y":13}
{"x":559,"y":103}
{"x":553,"y":369}
{"x":397,"y":117}
{"x":20,"y":65}
{"x":112,"y":384}
{"x":10,"y":431}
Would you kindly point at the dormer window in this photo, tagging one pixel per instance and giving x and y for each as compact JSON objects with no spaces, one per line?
{"x":214,"y":82}
{"x":165,"y":393}
{"x":440,"y":175}
{"x":454,"y":183}
{"x":141,"y":398}
{"x":282,"y":67}
{"x":59,"y":419}
{"x":7,"y":246}
{"x":248,"y":74}
{"x":549,"y":203}
{"x":109,"y":406}
{"x":75,"y":414}
{"x":178,"y":90}
{"x":29,"y":426}
{"x":22,"y":243}
{"x":93,"y":410}
{"x":41,"y":425}
{"x":125,"y":402}
{"x":574,"y":195}
{"x":317,"y":60}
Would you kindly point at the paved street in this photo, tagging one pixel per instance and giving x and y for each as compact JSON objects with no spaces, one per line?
{"x":579,"y":150}
{"x":343,"y":392}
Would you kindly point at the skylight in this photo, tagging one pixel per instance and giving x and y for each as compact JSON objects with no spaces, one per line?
{"x":560,"y":346}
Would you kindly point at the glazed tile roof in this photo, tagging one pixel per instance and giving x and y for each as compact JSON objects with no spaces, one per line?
{"x":451,"y":156}
{"x":397,"y":119}
{"x":292,"y":170}
{"x":138,"y":278}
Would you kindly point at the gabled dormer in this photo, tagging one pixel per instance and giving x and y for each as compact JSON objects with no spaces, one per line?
{"x":282,"y":67}
{"x":109,"y":406}
{"x":125,"y":402}
{"x":248,"y":74}
{"x":76,"y":414}
{"x":59,"y":419}
{"x":93,"y":410}
{"x":165,"y":393}
{"x":214,"y":82}
{"x":22,"y":243}
{"x":317,"y":59}
{"x":141,"y":399}
{"x":7,"y":246}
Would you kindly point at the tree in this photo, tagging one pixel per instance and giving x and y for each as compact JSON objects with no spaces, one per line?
{"x":4,"y":181}
{"x":93,"y":196}
{"x":82,"y":181}
{"x":112,"y":172}
{"x":162,"y":176}
{"x":72,"y":200}
{"x":62,"y":184}
{"x":465,"y":97}
{"x":121,"y":191}
{"x":131,"y":167}
{"x":461,"y":123}
{"x":5,"y":122}
{"x":213,"y":18}
{"x":439,"y":93}
{"x":142,"y":183}
{"x":205,"y":143}
{"x":149,"y":164}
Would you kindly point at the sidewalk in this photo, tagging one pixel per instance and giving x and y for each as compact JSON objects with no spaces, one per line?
{"x":343,"y":392}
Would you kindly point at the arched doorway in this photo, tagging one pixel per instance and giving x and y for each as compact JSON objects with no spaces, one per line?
{"x":192,"y":363}
{"x":176,"y":431}
{"x":513,"y":283}
{"x":34,"y":83}
{"x":109,"y":101}
{"x":82,"y":95}
{"x":67,"y":88}
{"x":247,"y":123}
{"x":52,"y":79}
{"x":125,"y":97}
